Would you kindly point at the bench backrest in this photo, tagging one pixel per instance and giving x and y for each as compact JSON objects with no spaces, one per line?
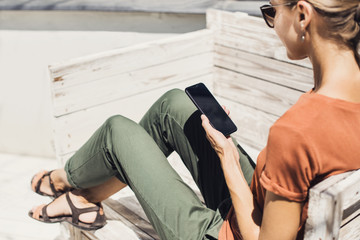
{"x":334,"y":208}
{"x":86,"y":91}
{"x":245,"y":65}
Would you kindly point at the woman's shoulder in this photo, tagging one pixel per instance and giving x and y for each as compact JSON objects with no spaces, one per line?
{"x":313,"y":110}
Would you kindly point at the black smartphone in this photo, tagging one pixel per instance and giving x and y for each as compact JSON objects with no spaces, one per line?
{"x":207,"y":104}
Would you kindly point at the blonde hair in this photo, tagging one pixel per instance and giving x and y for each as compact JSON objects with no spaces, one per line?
{"x":342,"y":19}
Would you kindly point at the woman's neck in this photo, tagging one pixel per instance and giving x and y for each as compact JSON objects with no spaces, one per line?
{"x":336,"y":72}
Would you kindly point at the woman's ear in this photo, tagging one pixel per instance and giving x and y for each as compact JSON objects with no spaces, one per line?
{"x":305,"y":14}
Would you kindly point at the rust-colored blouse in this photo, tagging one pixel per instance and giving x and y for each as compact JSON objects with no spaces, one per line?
{"x":316,"y":138}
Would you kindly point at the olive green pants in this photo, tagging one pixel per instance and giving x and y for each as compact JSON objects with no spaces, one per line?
{"x":136,"y":154}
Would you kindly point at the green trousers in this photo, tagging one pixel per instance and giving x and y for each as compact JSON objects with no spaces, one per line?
{"x":137,"y":155}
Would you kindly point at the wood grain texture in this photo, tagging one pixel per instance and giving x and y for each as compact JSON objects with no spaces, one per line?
{"x":150,"y":53}
{"x":271,"y":70}
{"x":250,"y":34}
{"x":116,"y":87}
{"x":106,"y":77}
{"x":253,"y":125}
{"x":351,"y":230}
{"x":255,"y":93}
{"x":328,"y":200}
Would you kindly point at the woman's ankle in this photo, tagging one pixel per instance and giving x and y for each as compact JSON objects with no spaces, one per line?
{"x":59,"y":180}
{"x":80,"y":196}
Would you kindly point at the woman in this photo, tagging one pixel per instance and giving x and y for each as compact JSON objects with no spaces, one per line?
{"x":316,"y":138}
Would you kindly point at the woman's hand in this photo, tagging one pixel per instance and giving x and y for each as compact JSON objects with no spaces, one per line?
{"x":223,"y":146}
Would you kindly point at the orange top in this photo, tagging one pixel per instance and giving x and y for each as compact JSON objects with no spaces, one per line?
{"x":318,"y":137}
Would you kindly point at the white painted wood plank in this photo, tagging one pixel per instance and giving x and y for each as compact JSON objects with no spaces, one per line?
{"x":320,"y":216}
{"x":106,"y":89}
{"x":327,"y":202}
{"x":240,"y":31}
{"x":274,"y":71}
{"x":350,"y":231}
{"x":253,"y":125}
{"x":255,"y":93}
{"x":114,"y":230}
{"x":348,"y":188}
{"x":65,"y":74}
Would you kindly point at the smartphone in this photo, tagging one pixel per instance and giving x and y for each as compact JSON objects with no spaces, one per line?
{"x":207,"y":104}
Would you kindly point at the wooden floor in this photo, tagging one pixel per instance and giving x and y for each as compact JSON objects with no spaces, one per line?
{"x":17,"y":199}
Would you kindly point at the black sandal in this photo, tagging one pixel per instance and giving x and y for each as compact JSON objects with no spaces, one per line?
{"x":100,"y":220}
{"x":55,"y":194}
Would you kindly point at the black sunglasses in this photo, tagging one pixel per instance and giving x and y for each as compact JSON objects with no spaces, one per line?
{"x":268,"y":11}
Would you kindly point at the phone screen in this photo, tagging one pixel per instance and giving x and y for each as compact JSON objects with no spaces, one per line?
{"x":207,"y":104}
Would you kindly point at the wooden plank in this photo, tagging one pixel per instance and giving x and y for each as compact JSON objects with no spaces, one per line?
{"x":140,"y":56}
{"x":255,"y":93}
{"x":349,"y":190}
{"x":351,"y":230}
{"x":321,"y":213}
{"x":120,"y":220}
{"x":71,"y":131}
{"x":282,"y":73}
{"x":117,"y":211}
{"x":171,"y":6}
{"x":240,"y":31}
{"x":250,"y":7}
{"x":253,"y":125}
{"x":106,"y":89}
{"x":327,"y":202}
{"x":351,"y":212}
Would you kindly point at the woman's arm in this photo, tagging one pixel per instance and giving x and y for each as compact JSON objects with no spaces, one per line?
{"x":281,"y":217}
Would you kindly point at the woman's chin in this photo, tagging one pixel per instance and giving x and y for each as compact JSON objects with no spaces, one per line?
{"x":292,"y":56}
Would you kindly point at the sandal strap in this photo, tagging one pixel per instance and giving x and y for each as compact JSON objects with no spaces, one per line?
{"x":52,"y":186}
{"x":55,"y":192}
{"x":45,"y":216}
{"x":99,"y":220}
{"x":76,"y":212}
{"x":37,"y":188}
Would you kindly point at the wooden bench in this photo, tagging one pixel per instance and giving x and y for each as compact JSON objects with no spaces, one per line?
{"x":242,"y":62}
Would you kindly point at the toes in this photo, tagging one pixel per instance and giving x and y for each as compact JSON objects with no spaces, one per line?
{"x":36,"y":179}
{"x":36,"y":211}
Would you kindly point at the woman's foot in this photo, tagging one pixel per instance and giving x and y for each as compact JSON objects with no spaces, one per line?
{"x":71,"y":208}
{"x":49,"y":183}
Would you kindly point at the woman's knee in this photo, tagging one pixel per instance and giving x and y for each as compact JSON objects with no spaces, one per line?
{"x":175,"y":101}
{"x":119,"y":125}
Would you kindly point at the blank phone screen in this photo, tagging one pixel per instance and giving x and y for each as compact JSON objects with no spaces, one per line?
{"x":207,"y":104}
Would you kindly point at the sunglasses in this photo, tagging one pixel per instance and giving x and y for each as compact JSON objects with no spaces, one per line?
{"x":268,"y":11}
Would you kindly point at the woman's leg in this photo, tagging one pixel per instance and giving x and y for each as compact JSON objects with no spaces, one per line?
{"x":175,"y":125}
{"x":124,"y":149}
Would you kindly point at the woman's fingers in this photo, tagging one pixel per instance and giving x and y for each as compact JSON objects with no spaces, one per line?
{"x":215,"y":137}
{"x":37,"y":211}
{"x":206,"y":123}
{"x":218,"y":141}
